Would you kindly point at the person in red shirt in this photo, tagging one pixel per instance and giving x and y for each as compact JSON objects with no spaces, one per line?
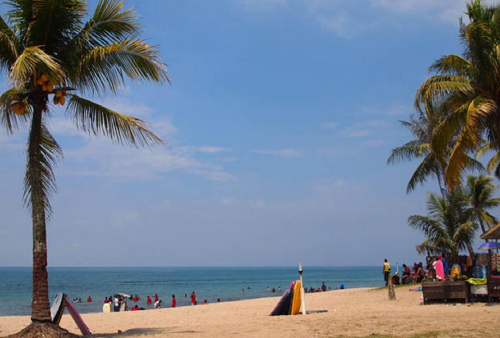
{"x":136,"y":298}
{"x":89,"y":300}
{"x":174,"y":301}
{"x":204,"y":302}
{"x":149,"y":301}
{"x":156,"y":298}
{"x":135,"y":308}
{"x":193,"y":298}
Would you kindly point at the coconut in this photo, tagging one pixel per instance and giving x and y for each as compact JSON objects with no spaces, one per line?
{"x":19,"y":108}
{"x":58,"y":93}
{"x":50,"y":87}
{"x":62,"y":100}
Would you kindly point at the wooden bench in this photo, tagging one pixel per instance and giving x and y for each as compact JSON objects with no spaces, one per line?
{"x":445,"y":291}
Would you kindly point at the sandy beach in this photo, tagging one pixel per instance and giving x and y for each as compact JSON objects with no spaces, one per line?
{"x":350,"y":313}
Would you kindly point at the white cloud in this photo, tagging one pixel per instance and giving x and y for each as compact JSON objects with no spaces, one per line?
{"x":206,"y":149}
{"x":378,"y":124}
{"x":339,"y":187}
{"x":348,"y":19}
{"x":262,"y":5}
{"x":399,"y":110}
{"x":103,"y":158}
{"x":285,"y":153}
{"x":374,"y":143}
{"x":355,"y":133}
{"x":444,"y":10}
{"x":329,"y":125}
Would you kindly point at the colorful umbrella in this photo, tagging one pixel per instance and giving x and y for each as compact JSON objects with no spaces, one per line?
{"x":489,"y":246}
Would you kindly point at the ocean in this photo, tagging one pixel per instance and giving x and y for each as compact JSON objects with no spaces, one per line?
{"x":226,"y":283}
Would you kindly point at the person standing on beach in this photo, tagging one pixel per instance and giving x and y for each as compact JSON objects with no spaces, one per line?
{"x":386,"y":270}
{"x":174,"y":301}
{"x":193,"y":298}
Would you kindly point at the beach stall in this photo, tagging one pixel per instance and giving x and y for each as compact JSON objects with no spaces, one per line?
{"x":493,"y":276}
{"x":446,"y":291}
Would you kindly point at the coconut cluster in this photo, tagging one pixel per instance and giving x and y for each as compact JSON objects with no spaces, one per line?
{"x":21,"y":107}
{"x":47,"y":86}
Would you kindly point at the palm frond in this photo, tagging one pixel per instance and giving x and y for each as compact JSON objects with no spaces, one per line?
{"x":105,"y":68}
{"x":43,"y":153}
{"x":408,"y":151}
{"x":99,"y":120}
{"x":451,"y":65}
{"x":438,"y":87}
{"x":425,"y":169}
{"x":31,"y":60}
{"x":109,"y":23}
{"x":8,"y":118}
{"x":9,"y":46}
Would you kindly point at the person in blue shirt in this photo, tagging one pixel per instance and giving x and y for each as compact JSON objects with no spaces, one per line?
{"x":446,"y":265}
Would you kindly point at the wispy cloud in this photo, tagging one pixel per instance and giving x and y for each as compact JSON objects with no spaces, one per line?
{"x":443,"y":10}
{"x":206,"y":149}
{"x":285,"y":153}
{"x":355,"y":132}
{"x":399,"y":109}
{"x":329,"y":125}
{"x":338,"y":186}
{"x":374,"y":143}
{"x":348,"y":19}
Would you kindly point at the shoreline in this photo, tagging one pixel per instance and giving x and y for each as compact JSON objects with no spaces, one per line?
{"x":350,"y":313}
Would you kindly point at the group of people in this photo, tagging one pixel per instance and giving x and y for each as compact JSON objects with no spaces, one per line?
{"x":322,"y":288}
{"x":408,"y":276}
{"x":118,"y":303}
{"x":437,"y":268}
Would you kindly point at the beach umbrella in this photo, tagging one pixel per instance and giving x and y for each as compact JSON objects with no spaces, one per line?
{"x":489,"y":246}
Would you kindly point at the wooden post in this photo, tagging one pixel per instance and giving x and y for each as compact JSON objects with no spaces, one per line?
{"x":390,"y":286}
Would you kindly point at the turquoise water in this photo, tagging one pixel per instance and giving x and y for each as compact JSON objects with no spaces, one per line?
{"x":208,"y":283}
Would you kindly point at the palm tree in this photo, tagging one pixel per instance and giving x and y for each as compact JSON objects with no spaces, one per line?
{"x":423,"y":126}
{"x":479,"y":191}
{"x":468,"y":87}
{"x":447,"y":227}
{"x":51,"y":54}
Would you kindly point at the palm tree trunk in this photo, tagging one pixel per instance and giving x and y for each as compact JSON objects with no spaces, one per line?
{"x":40,"y":306}
{"x":471,"y":250}
{"x":482,"y":227}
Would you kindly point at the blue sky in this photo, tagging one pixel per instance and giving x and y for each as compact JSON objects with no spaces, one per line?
{"x":278,"y":125}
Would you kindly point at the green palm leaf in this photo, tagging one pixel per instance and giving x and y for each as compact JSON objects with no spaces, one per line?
{"x":104,"y":68}
{"x":8,"y":118}
{"x":31,"y":60}
{"x":99,"y":120}
{"x":43,"y":153}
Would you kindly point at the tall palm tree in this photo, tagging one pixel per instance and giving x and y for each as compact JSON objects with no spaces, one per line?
{"x":447,"y":227}
{"x":468,"y":86}
{"x":421,"y":126}
{"x":52,"y":56}
{"x":479,"y":191}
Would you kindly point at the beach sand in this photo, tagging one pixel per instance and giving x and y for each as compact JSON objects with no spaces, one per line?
{"x":350,"y":313}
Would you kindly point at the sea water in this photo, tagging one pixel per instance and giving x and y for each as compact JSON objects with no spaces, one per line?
{"x":210,"y":284}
